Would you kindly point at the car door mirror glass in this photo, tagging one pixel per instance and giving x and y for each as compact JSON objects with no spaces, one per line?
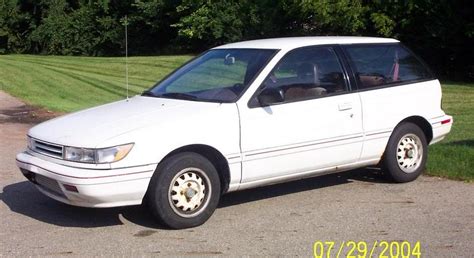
{"x":271,"y":96}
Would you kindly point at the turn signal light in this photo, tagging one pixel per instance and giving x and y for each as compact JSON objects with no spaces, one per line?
{"x":71,"y":188}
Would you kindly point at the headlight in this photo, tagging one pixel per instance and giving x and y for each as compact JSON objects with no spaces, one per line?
{"x":79,"y":154}
{"x":113,"y":154}
{"x":105,"y":155}
{"x":30,"y":143}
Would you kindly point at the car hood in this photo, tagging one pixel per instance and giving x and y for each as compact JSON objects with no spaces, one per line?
{"x":90,"y":127}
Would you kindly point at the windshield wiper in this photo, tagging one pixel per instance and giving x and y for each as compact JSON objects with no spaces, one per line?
{"x":148,"y":93}
{"x":178,"y":95}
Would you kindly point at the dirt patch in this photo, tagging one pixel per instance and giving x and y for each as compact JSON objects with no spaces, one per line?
{"x":26,"y":114}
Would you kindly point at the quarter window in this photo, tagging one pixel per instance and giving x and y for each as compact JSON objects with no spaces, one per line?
{"x":306,"y":73}
{"x":379,"y":65}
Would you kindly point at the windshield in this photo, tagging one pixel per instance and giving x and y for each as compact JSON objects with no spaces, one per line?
{"x":219,"y":75}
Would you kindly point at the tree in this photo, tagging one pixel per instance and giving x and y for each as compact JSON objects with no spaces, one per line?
{"x":343,"y":17}
{"x":16,"y":24}
{"x":207,"y":22}
{"x":87,"y":30}
{"x":441,"y":31}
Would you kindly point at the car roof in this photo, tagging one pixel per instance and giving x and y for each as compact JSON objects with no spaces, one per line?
{"x":296,"y":42}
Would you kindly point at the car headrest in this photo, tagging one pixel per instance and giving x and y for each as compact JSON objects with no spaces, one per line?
{"x":308,"y":72}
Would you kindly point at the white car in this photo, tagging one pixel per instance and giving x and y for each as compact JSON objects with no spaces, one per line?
{"x":244,"y":115}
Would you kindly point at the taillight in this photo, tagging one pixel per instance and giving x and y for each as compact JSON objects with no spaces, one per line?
{"x":447,"y":121}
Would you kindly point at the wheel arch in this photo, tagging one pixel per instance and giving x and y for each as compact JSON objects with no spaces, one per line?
{"x":421,"y":122}
{"x":213,"y":155}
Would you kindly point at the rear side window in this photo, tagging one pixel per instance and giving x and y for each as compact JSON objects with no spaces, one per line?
{"x":380,"y":65}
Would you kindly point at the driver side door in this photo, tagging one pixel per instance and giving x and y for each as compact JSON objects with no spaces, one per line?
{"x":316,"y":126}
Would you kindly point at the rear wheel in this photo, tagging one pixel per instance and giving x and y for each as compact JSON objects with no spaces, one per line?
{"x":406,"y":153}
{"x":184,"y":191}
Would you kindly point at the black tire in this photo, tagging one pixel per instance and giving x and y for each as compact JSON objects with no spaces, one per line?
{"x":195,"y":171}
{"x":402,"y":161}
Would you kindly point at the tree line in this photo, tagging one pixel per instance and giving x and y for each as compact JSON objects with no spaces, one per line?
{"x":441,"y":31}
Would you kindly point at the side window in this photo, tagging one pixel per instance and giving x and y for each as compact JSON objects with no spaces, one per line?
{"x":379,"y":65}
{"x":309,"y":72}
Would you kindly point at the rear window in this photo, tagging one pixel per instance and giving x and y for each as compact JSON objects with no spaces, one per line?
{"x":380,"y":65}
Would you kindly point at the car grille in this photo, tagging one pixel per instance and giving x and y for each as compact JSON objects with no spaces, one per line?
{"x":47,"y":148}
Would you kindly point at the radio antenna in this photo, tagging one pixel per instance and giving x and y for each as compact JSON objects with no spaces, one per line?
{"x":126,"y":53}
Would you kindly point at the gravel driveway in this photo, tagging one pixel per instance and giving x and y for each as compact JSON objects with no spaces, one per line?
{"x":284,"y":219}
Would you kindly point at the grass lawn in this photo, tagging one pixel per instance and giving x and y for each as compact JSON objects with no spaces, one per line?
{"x":454,"y":156}
{"x":71,"y":83}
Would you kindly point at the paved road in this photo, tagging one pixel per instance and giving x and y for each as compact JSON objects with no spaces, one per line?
{"x":282,"y":219}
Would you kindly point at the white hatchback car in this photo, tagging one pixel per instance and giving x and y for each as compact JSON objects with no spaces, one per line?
{"x":244,"y":115}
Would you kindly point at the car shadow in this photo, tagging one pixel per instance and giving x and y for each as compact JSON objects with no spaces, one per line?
{"x":23,"y":198}
{"x":265,"y":192}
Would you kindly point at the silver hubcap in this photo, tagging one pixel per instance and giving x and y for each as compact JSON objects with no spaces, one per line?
{"x":409,"y":153}
{"x":188,"y":192}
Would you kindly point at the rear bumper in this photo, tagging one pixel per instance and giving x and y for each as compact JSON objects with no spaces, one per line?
{"x":87,"y":187}
{"x":441,"y":127}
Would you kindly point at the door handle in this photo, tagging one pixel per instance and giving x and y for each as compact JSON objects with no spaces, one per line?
{"x":345,"y":106}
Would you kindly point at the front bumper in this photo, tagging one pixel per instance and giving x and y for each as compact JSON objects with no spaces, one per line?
{"x":87,"y":187}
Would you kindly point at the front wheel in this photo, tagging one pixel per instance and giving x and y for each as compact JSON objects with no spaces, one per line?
{"x":184,"y":191}
{"x":406,"y":153}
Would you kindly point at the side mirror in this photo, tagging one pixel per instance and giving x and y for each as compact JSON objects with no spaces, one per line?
{"x":270,"y":96}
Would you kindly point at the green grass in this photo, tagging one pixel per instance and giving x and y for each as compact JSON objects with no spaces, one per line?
{"x":454,"y":156}
{"x":71,"y":83}
{"x":68,"y":84}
